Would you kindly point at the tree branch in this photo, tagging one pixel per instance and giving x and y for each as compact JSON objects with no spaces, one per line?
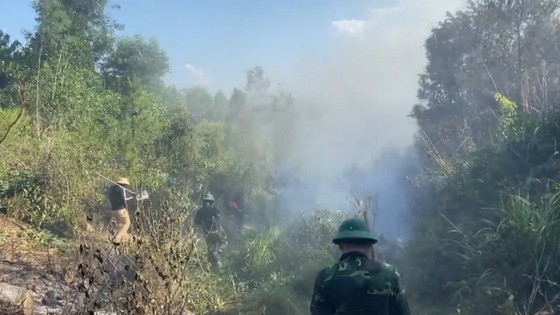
{"x":21,"y":94}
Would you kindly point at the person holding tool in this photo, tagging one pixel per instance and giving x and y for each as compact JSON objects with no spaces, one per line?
{"x":118,"y":195}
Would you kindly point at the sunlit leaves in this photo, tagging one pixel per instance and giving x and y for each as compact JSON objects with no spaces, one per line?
{"x":135,"y":58}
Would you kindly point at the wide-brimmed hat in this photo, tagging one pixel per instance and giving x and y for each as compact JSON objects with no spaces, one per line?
{"x":354,"y":229}
{"x":123,"y":181}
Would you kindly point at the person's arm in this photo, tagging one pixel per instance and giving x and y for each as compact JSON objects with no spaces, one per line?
{"x":127,"y":193}
{"x":399,"y":301}
{"x":319,"y":302}
{"x":216,"y":213}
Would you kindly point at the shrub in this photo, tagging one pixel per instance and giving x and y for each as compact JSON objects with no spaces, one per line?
{"x":161,"y":271}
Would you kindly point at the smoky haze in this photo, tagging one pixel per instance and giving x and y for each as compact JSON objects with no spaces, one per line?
{"x":357,"y":97}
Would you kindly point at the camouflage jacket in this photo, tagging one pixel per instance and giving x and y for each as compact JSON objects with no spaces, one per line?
{"x":359,"y":286}
{"x":208,"y":217}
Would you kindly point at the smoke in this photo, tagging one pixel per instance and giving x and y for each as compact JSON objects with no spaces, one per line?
{"x":197,"y":74}
{"x":357,"y":96}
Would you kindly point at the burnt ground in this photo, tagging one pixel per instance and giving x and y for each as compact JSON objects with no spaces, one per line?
{"x":32,"y":260}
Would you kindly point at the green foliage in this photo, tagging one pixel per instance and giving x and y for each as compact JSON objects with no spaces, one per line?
{"x":88,"y":103}
{"x":512,"y":261}
{"x":73,"y":127}
{"x":135,"y":58}
{"x":509,"y":112}
{"x":41,"y":238}
{"x":276,"y":267}
{"x":485,"y":199}
{"x":485,"y":234}
{"x":462,"y":230}
{"x":78,"y":31}
{"x":161,"y":271}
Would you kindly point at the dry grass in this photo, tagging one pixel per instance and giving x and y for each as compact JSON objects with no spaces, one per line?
{"x":162,"y":270}
{"x":17,"y":244}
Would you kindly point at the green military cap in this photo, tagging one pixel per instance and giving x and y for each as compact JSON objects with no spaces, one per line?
{"x":354,"y":229}
{"x":208,"y":197}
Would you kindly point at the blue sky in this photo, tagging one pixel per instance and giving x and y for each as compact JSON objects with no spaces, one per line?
{"x":222,"y":39}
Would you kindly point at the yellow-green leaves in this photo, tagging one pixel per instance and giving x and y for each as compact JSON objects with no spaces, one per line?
{"x":508,"y":118}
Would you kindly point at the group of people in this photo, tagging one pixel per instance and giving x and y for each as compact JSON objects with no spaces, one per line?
{"x":357,"y":284}
{"x":207,"y":217}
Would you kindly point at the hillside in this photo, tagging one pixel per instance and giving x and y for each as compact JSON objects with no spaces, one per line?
{"x":80,"y":105}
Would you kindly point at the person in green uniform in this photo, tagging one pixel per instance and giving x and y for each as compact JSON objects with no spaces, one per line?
{"x":208,"y":217}
{"x":358,"y":284}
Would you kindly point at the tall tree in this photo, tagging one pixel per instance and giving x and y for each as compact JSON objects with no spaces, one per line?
{"x":136,"y":58}
{"x":495,"y":45}
{"x":10,"y":51}
{"x":74,"y":30}
{"x":256,"y":81}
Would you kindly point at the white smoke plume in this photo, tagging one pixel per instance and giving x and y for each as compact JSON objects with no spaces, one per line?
{"x":364,"y":87}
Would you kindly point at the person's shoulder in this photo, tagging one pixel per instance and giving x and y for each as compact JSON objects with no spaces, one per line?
{"x":328,"y":268}
{"x":389,"y":270}
{"x":327,"y":272}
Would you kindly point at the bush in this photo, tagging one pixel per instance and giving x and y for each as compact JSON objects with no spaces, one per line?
{"x":161,"y":271}
{"x":513,"y":262}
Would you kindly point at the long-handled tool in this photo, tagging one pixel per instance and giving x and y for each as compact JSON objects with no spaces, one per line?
{"x":143,"y":195}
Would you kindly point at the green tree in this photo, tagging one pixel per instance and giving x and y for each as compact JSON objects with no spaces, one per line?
{"x":256,"y":81}
{"x":493,"y":45}
{"x":10,"y":51}
{"x":77,"y":31}
{"x":135,"y":58}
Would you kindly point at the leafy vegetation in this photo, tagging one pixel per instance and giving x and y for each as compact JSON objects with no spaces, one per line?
{"x":486,"y":197}
{"x":76,"y":101}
